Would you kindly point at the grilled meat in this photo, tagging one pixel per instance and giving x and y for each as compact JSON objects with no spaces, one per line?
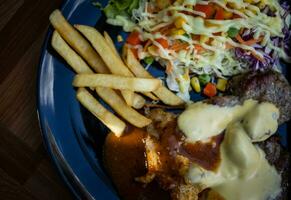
{"x":280,"y":158}
{"x":267,"y":86}
{"x":167,"y":128}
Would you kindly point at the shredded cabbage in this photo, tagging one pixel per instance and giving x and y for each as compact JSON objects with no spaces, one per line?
{"x":208,"y":49}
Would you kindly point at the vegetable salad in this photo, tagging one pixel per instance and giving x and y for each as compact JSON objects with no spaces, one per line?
{"x":220,"y":38}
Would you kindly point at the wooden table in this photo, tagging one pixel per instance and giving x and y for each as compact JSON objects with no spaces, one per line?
{"x":26,"y":171}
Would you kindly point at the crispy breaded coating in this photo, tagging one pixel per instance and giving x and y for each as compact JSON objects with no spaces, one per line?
{"x":185,"y":192}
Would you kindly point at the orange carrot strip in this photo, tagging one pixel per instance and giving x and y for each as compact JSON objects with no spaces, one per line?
{"x":248,"y":42}
{"x":165,"y":30}
{"x":257,"y":56}
{"x":179,"y":46}
{"x":169,"y":68}
{"x":199,"y":48}
{"x":147,"y":44}
{"x":239,"y":39}
{"x":253,"y":41}
{"x":228,"y":46}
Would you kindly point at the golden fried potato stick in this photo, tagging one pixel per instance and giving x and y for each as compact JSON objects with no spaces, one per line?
{"x":165,"y":95}
{"x":113,"y":61}
{"x":107,"y":118}
{"x":138,"y":101}
{"x":82,"y":46}
{"x":117,"y":82}
{"x":112,"y":46}
{"x":118,"y":104}
{"x":75,"y":40}
{"x":70,"y":56}
{"x":110,"y":42}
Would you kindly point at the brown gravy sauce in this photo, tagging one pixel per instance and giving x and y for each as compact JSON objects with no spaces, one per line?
{"x":207,"y":155}
{"x":124,"y":159}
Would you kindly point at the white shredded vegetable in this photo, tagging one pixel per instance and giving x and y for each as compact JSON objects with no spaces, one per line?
{"x":201,"y":45}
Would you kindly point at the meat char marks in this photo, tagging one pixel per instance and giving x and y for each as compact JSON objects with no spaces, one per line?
{"x":267,"y":86}
{"x":168,"y":159}
{"x":169,"y":156}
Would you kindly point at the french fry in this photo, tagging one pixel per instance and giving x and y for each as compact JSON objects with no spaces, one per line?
{"x":151,"y":96}
{"x":70,"y":56}
{"x":118,"y":104}
{"x":113,"y":62}
{"x":165,"y":95}
{"x":138,"y":101}
{"x":108,"y":119}
{"x":111,"y":44}
{"x":74,"y":39}
{"x":116,"y":82}
{"x":124,"y":52}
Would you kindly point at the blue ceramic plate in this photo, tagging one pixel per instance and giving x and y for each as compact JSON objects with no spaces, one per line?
{"x":73,"y":137}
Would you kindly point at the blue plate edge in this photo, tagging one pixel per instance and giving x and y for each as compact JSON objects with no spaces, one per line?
{"x":41,"y":122}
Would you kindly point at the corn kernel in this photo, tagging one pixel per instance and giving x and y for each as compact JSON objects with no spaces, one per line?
{"x":119,"y":38}
{"x":227,"y":15}
{"x":178,"y":32}
{"x":249,"y":1}
{"x":179,"y":22}
{"x":252,"y":1}
{"x":221,"y":84}
{"x":195,"y":84}
{"x":203,"y":39}
{"x":152,"y":50}
{"x":180,"y":1}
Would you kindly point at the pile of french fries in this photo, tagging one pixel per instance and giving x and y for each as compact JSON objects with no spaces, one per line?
{"x":122,"y":84}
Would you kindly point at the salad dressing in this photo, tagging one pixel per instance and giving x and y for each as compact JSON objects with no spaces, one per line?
{"x":224,"y":52}
{"x":244,"y":172}
{"x":201,"y":121}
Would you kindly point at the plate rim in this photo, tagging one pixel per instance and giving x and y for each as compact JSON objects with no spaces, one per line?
{"x":42,"y":123}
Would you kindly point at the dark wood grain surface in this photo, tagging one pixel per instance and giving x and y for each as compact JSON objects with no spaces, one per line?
{"x":26,"y":171}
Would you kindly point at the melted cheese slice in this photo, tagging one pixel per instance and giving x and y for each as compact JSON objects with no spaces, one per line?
{"x":261,"y":122}
{"x":244,"y":172}
{"x":201,"y":121}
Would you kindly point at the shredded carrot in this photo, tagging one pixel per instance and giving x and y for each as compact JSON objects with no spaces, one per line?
{"x":217,"y":33}
{"x":239,"y":39}
{"x":196,"y":37}
{"x":208,"y":10}
{"x":150,"y":9}
{"x":147,"y":44}
{"x":257,"y":56}
{"x":248,"y":42}
{"x":199,"y":48}
{"x":163,"y":42}
{"x":253,"y":41}
{"x":133,"y":38}
{"x":219,"y":15}
{"x":236,"y":16}
{"x":165,"y":30}
{"x":135,"y":52}
{"x":228,"y":46}
{"x":169,"y":68}
{"x":177,"y":46}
